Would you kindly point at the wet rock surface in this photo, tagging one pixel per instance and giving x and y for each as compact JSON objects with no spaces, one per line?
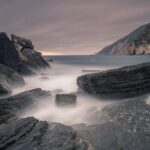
{"x":126,"y":127}
{"x":118,"y":83}
{"x":27,"y":54}
{"x":22,"y":100}
{"x":65,"y":99}
{"x":9,"y":79}
{"x":10,"y":57}
{"x":30,"y":134}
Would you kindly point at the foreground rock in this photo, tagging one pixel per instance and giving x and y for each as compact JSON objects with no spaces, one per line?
{"x":65,"y":99}
{"x":126,"y":127}
{"x":29,"y":134}
{"x":20,"y":101}
{"x":123,"y":82}
{"x":9,"y":79}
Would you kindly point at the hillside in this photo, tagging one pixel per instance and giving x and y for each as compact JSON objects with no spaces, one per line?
{"x":136,"y":43}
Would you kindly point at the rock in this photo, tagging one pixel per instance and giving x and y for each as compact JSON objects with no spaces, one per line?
{"x":118,"y":83}
{"x":9,"y":79}
{"x":28,"y":55}
{"x":29,"y":134}
{"x":12,"y":78}
{"x":57,"y":91}
{"x":4,"y":89}
{"x":22,"y":100}
{"x":136,"y":43}
{"x":9,"y":55}
{"x":65,"y":99}
{"x":22,"y":41}
{"x":126,"y":127}
{"x":44,"y":78}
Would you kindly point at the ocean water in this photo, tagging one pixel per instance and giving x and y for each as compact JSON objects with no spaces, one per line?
{"x":62,"y":78}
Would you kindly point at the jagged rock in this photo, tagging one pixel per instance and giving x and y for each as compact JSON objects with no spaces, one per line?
{"x":9,"y":56}
{"x":4,"y":89}
{"x":119,"y":83}
{"x":65,"y":99}
{"x":27,"y":53}
{"x":137,"y":42}
{"x":11,"y":77}
{"x":8,"y":53}
{"x":26,"y":43}
{"x":30,"y":134}
{"x":126,"y":127}
{"x":22,"y":100}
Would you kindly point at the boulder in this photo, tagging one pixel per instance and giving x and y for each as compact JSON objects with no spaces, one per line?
{"x":27,"y":54}
{"x":4,"y":89}
{"x":9,"y":55}
{"x":118,"y":83}
{"x":9,"y":79}
{"x":29,"y":134}
{"x":65,"y":99}
{"x":22,"y":100}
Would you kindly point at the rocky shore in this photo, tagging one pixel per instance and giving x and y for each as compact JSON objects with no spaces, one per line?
{"x":125,"y":125}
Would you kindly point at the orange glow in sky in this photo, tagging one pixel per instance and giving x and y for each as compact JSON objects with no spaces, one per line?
{"x":49,"y":53}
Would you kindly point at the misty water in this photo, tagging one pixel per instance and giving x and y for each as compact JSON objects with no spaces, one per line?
{"x":61,"y":78}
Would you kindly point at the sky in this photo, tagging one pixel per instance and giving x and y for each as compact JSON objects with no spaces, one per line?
{"x":72,"y":27}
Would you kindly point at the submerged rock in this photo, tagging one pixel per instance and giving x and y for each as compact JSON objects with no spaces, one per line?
{"x":4,"y":89}
{"x":65,"y":99}
{"x":44,"y":78}
{"x":123,"y":82}
{"x":29,"y":133}
{"x":9,"y":79}
{"x":22,"y":100}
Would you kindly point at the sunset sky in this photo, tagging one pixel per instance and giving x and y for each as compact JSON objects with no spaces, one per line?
{"x":66,"y":27}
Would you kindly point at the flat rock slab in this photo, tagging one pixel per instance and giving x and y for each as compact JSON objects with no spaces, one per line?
{"x":126,"y":127}
{"x":9,"y":106}
{"x":118,"y":83}
{"x":65,"y":99}
{"x":29,"y":134}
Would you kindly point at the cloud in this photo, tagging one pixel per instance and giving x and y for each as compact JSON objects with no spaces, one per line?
{"x":72,"y":26}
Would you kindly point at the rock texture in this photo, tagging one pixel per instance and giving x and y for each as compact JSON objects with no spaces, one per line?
{"x":28,"y":55}
{"x":29,"y":134}
{"x":22,"y":100}
{"x":65,"y":99}
{"x":126,"y":127}
{"x":9,"y":56}
{"x":10,"y":76}
{"x":119,"y":83}
{"x":9,"y":79}
{"x":137,"y":42}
